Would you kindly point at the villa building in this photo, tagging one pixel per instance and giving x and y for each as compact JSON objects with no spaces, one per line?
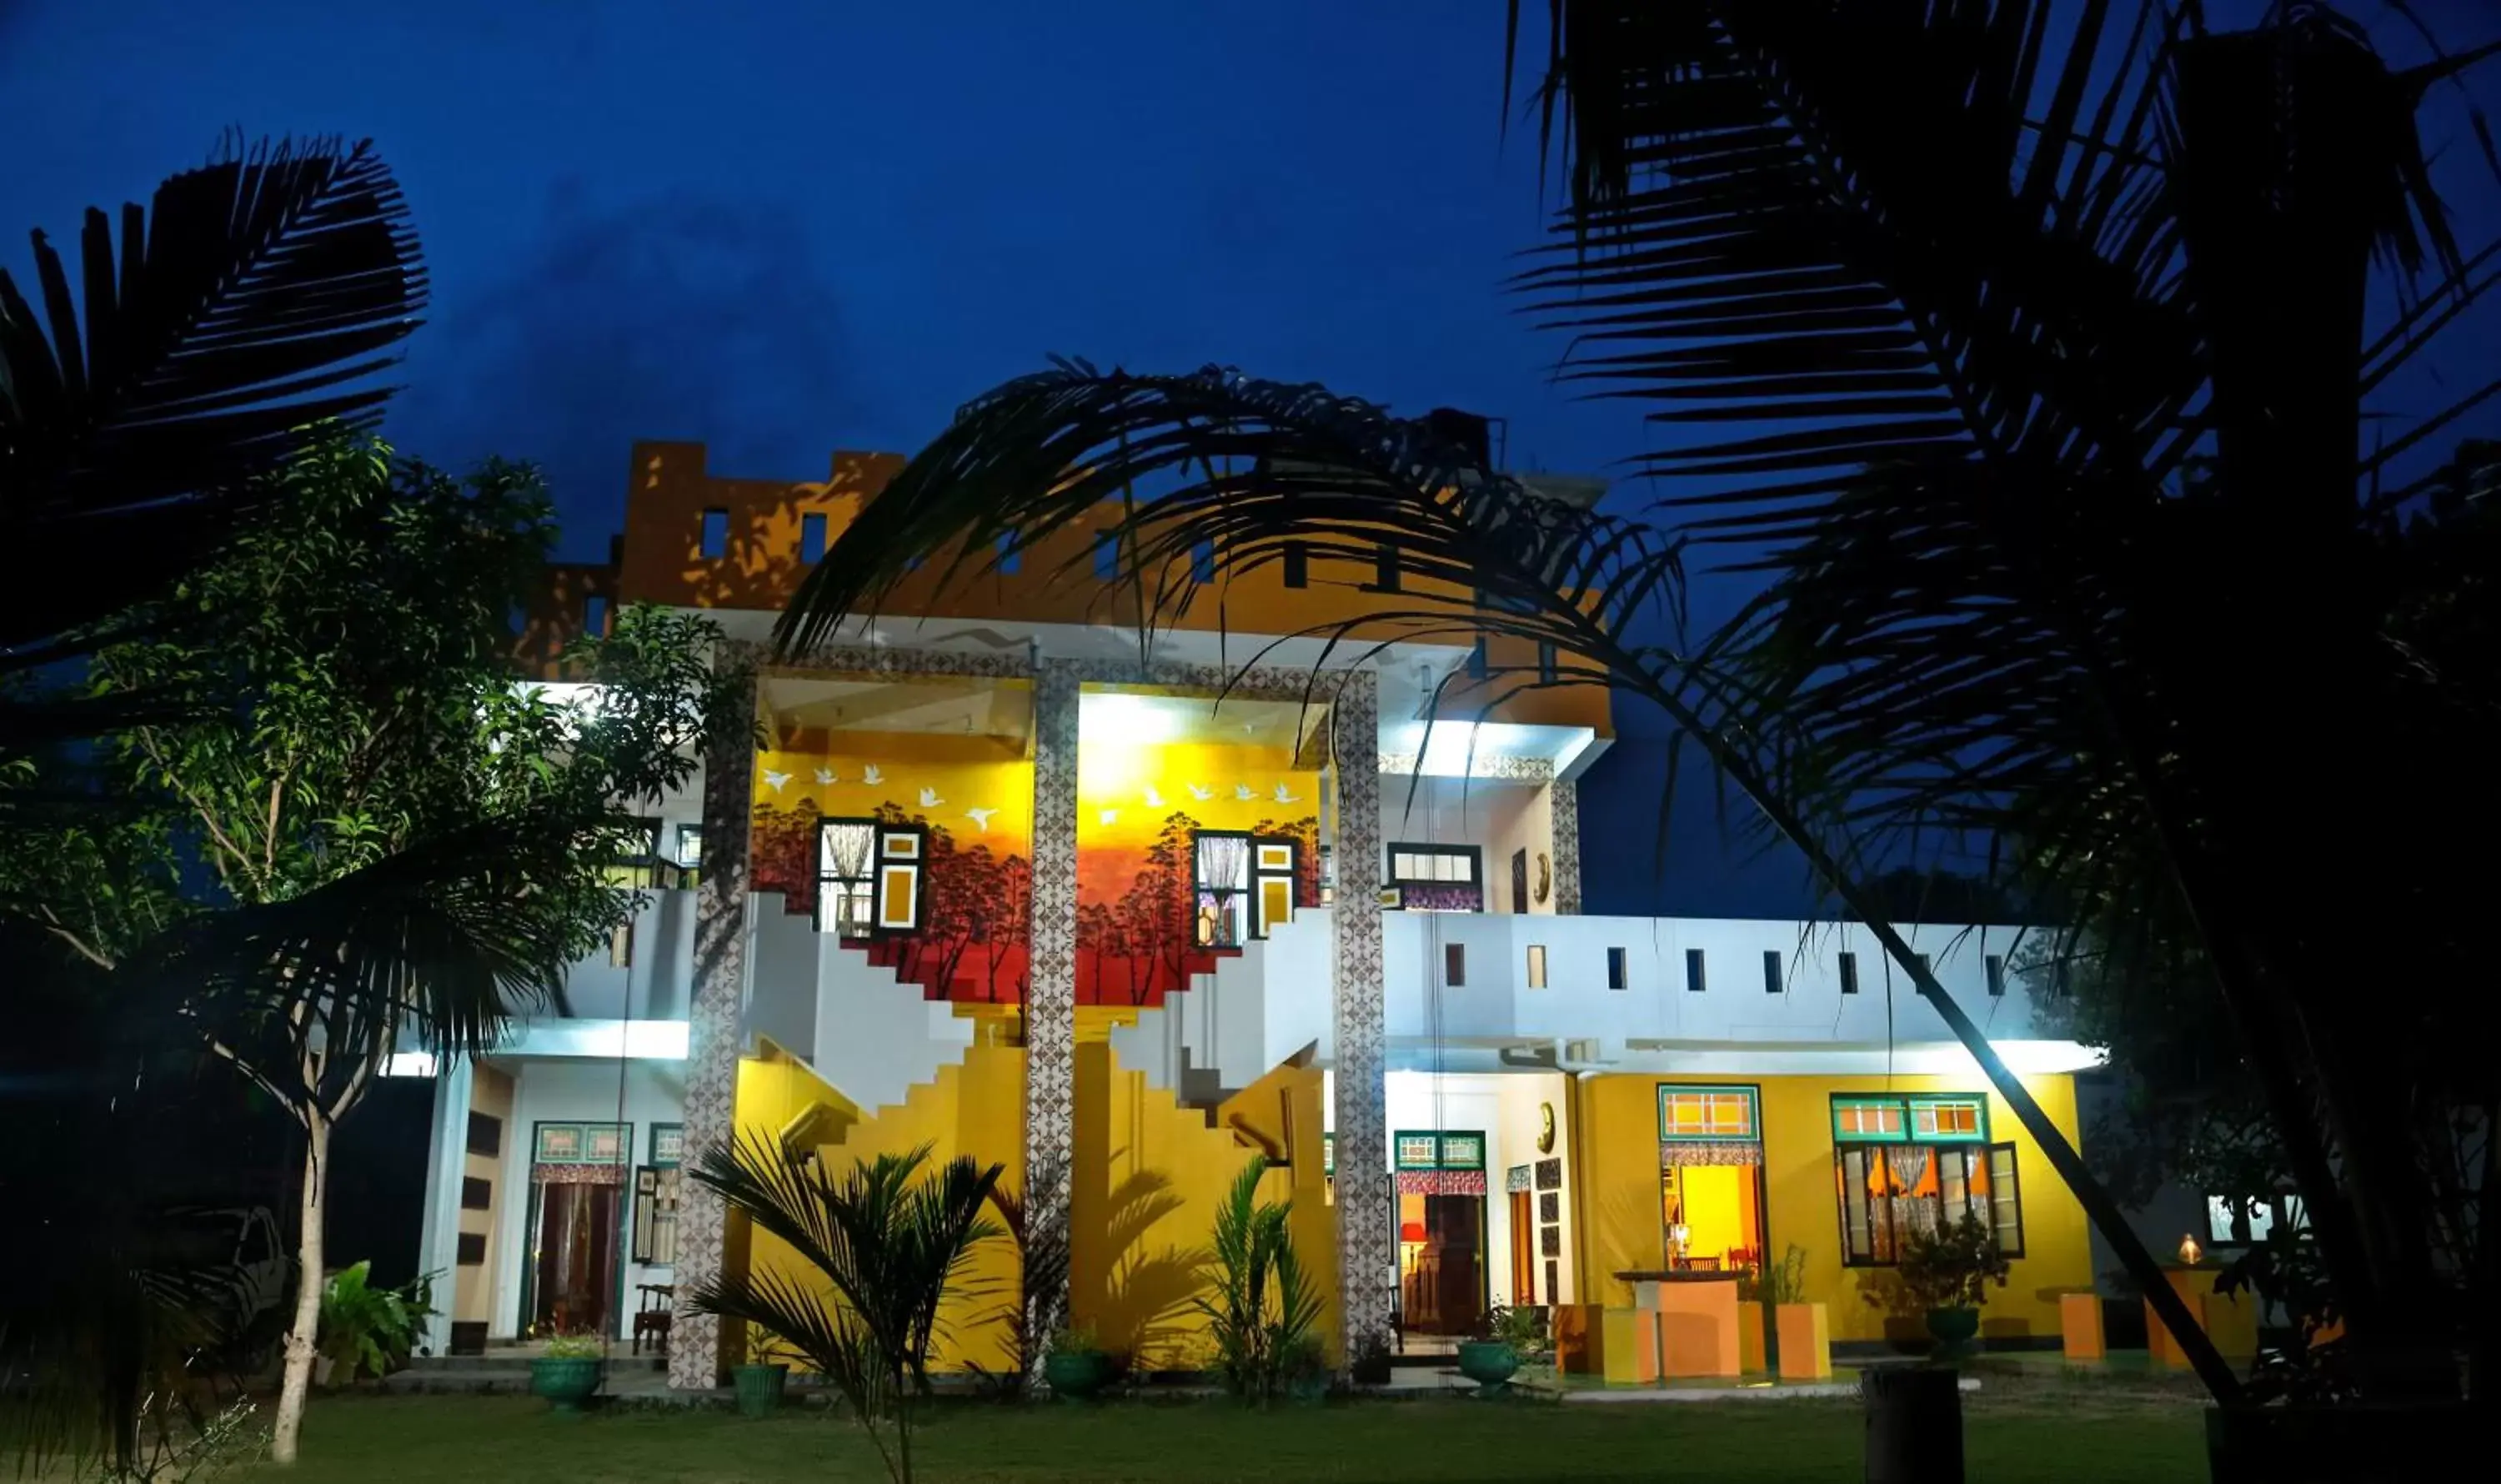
{"x":1002,"y":881}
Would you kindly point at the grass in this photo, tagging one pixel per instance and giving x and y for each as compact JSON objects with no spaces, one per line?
{"x":2046,"y":1430}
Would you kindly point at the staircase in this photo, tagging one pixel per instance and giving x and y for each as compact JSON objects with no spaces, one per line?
{"x":1229,"y":1028}
{"x":856,"y":1026}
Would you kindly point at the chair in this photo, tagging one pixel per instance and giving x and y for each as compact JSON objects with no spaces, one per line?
{"x":658,"y":1311}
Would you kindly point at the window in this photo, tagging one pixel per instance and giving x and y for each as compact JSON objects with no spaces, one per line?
{"x":1298,"y":565}
{"x":1689,"y":1113}
{"x":1221,"y":883}
{"x":620,"y":945}
{"x":1888,"y":1191}
{"x":1107,"y":555}
{"x":1995,"y":963}
{"x":1850,"y":974}
{"x":1455,"y":965}
{"x":1771,"y":973}
{"x":594,"y":614}
{"x":476,"y":1195}
{"x":1537,"y":965}
{"x":811,"y":538}
{"x":1437,"y":878}
{"x":689,"y":846}
{"x":485,"y":1134}
{"x":1618,"y":969}
{"x":846,"y":877}
{"x":1919,"y":1118}
{"x":1867,"y":1118}
{"x":2233,"y":1223}
{"x":469,"y":1249}
{"x":1948,"y":1120}
{"x":1384,"y":568}
{"x":1202,"y":562}
{"x":1546,"y":667}
{"x":1695,"y":981}
{"x":655,"y":1215}
{"x":716,"y":534}
{"x":1011,"y":557}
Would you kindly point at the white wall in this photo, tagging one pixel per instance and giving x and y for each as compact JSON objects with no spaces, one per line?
{"x":586,"y":1092}
{"x":1655,"y":1022}
{"x":653,"y":984}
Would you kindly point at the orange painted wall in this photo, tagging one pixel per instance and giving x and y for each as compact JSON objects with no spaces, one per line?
{"x":671,"y":489}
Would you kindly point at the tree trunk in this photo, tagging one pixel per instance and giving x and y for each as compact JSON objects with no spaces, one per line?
{"x":302,"y":1334}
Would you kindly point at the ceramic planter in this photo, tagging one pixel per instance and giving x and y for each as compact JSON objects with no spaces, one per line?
{"x":760,"y":1388}
{"x":1805,"y":1342}
{"x":1076,"y":1374}
{"x":1488,"y":1362}
{"x":567,"y":1382}
{"x":1953,"y":1329}
{"x":1753,"y":1337}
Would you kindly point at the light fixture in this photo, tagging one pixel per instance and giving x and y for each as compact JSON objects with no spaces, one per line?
{"x":2190,"y":1254}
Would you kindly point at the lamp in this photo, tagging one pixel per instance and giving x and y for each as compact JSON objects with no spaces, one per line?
{"x":1678,"y":1235}
{"x":2190,"y":1252}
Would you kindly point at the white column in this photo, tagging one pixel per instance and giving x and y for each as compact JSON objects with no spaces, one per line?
{"x":1051,"y":994}
{"x":713,"y":1037}
{"x":1366,"y":1204}
{"x":446,"y":1163}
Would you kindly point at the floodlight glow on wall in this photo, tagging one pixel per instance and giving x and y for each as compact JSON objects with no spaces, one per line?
{"x":1111,"y":715}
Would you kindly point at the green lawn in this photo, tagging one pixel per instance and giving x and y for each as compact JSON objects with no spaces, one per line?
{"x":2041,"y":1434}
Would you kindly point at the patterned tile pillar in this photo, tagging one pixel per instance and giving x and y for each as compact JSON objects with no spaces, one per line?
{"x":1050,"y":995}
{"x":1566,"y":830}
{"x":712,"y":1038}
{"x":1367,"y":1206}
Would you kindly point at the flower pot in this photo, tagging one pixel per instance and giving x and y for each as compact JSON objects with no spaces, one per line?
{"x":1953,"y":1329}
{"x":1488,"y":1362}
{"x":1076,"y":1374}
{"x":566,"y":1383}
{"x":760,"y":1388}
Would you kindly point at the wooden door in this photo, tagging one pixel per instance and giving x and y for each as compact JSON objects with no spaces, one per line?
{"x":1524,"y":1248}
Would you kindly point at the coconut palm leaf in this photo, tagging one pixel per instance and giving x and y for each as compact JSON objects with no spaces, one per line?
{"x":2066,"y":350}
{"x":437,"y":945}
{"x":226,"y":322}
{"x":1248,"y":473}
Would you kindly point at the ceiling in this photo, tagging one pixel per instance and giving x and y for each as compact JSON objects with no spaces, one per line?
{"x":938,"y":704}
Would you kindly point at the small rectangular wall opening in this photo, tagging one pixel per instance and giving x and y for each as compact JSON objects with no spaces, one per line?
{"x":716,"y":534}
{"x":1696,"y":978}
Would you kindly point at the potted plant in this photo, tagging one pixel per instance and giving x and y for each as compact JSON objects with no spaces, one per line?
{"x":761,"y":1381}
{"x":1946,"y":1274}
{"x":1077,"y":1366}
{"x":1491,"y":1355}
{"x":1369,"y":1364}
{"x":366,"y":1330}
{"x":1801,"y":1344}
{"x":1261,"y":1302}
{"x":567,"y":1374}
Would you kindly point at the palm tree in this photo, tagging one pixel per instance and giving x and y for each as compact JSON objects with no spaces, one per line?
{"x":1264,"y":1307}
{"x":2063,"y":342}
{"x":890,"y":1243}
{"x":206,"y":348}
{"x":1262,"y":471}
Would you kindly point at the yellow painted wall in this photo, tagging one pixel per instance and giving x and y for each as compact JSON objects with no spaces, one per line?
{"x":1618,"y":1198}
{"x":989,"y":774}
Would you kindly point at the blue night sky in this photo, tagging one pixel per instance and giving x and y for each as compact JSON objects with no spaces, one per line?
{"x":786,"y":228}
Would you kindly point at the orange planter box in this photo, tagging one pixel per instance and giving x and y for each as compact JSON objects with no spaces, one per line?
{"x":1806,"y":1341}
{"x":2080,"y":1327}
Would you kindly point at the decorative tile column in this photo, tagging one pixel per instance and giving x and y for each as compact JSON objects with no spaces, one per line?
{"x":1565,"y":795}
{"x":1050,"y":995}
{"x":1366,"y":1202}
{"x":712,"y":1036}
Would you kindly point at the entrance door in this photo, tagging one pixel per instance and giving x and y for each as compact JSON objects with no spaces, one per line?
{"x":1524,"y":1248}
{"x":1442,"y":1263}
{"x":575,"y":1272}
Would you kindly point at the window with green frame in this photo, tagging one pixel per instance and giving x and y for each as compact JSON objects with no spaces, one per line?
{"x":1439,"y":1149}
{"x":1916,"y":1162}
{"x":1913,"y":1118}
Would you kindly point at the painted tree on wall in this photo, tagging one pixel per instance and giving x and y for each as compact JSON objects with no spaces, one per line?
{"x":781,"y":853}
{"x":1305,"y":832}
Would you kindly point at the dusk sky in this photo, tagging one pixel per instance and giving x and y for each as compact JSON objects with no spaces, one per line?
{"x":786,"y":228}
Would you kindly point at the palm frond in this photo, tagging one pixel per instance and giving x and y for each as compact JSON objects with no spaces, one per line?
{"x":227,"y":324}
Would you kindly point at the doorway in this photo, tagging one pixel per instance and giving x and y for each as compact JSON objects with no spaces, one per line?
{"x":1713,"y":1215}
{"x":573,"y":1267}
{"x":1523,"y":1243}
{"x":1441,"y":1263}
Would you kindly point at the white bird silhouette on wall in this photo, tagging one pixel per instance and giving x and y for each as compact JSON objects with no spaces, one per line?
{"x":1202,"y":795}
{"x":777,"y":779}
{"x":1109,"y":815}
{"x":1284,"y":797}
{"x":980,"y":818}
{"x":825,"y":775}
{"x":929,"y":798}
{"x":872,"y":776}
{"x":1242,"y":792}
{"x":1154,"y":800}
